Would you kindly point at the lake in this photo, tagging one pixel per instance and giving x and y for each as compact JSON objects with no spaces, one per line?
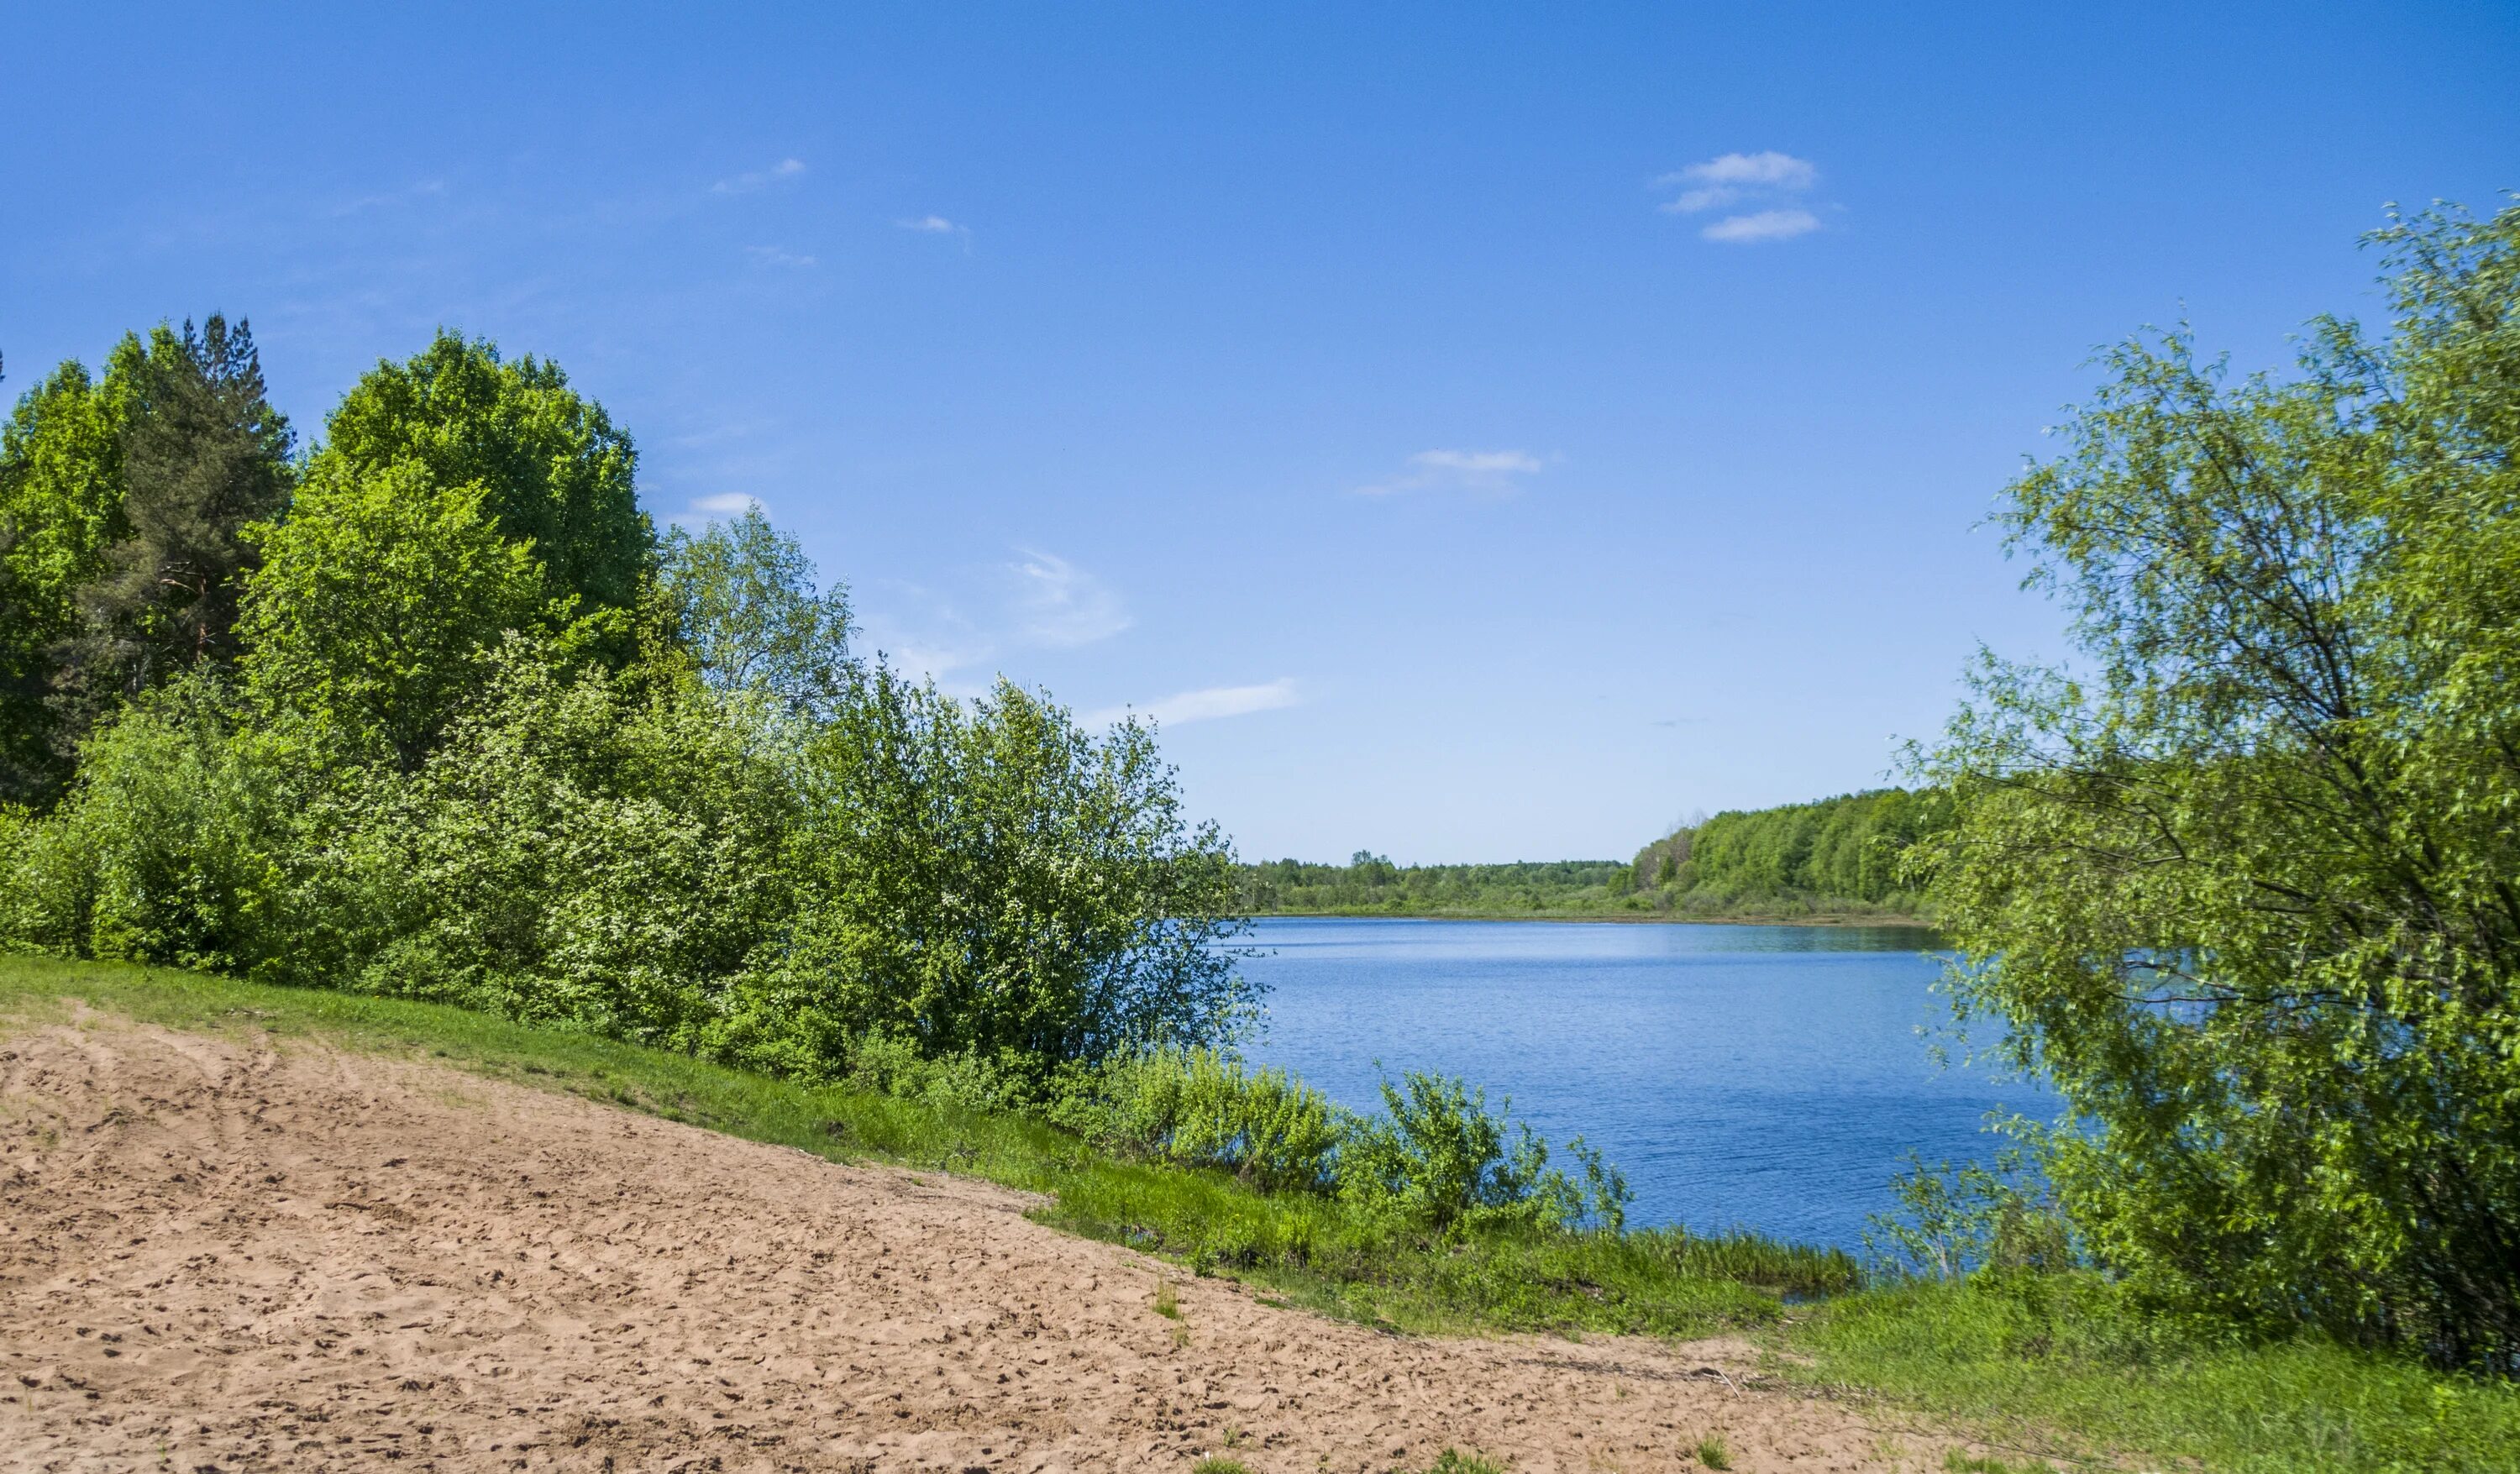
{"x":1767,"y":1076}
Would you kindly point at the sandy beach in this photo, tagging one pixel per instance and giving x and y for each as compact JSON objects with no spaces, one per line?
{"x":224,"y":1254}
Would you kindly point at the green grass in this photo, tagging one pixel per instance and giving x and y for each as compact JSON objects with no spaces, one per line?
{"x":2059,"y":1368}
{"x":1959,"y":1463}
{"x":2040,"y":1369}
{"x":1714,"y":1452}
{"x":1310,"y":1251}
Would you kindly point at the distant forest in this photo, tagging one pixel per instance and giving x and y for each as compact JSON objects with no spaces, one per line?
{"x":1835,"y":858}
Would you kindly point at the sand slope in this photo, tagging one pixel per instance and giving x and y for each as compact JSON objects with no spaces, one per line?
{"x":216,"y":1254}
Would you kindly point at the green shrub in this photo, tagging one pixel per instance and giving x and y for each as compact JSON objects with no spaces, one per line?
{"x":165,"y":848}
{"x":1957,"y":1220}
{"x":1199,"y":1107}
{"x":1441,"y":1159}
{"x":890,"y":1064}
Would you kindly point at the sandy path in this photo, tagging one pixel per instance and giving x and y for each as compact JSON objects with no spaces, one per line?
{"x":216,"y":1255}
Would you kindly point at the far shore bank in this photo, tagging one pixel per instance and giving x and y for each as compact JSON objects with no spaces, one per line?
{"x":1830,"y":918}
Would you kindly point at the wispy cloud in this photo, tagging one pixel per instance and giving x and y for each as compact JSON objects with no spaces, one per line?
{"x":716,"y":508}
{"x":1040,"y":601}
{"x":1488,"y":471}
{"x":423,"y":190}
{"x":1762,"y":225}
{"x":746,"y":182}
{"x":771,"y":255}
{"x":1205,"y":705}
{"x":925,"y":631}
{"x":1776,"y":181}
{"x":937,"y":225}
{"x":1721,"y":181}
{"x":1058,"y":603}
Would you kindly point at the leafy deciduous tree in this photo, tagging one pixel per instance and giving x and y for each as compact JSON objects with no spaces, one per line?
{"x":379,"y":603}
{"x":2245,"y":882}
{"x":552,"y":467}
{"x":743,"y":601}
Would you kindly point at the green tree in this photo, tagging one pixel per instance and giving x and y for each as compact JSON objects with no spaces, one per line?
{"x":122,"y":506}
{"x":379,"y":603}
{"x":61,"y":505}
{"x":743,"y":599}
{"x":989,"y":879}
{"x":202,"y":456}
{"x":553,"y":469}
{"x":2245,"y":881}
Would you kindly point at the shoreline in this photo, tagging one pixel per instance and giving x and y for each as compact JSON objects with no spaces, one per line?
{"x":1835,"y":919}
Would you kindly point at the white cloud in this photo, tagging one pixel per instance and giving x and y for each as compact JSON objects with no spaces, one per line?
{"x":716,"y":508}
{"x":1058,"y":603}
{"x":746,"y":182}
{"x":1477,"y":462}
{"x":937,"y":225}
{"x":1726,"y":175}
{"x":1205,"y":705}
{"x":1489,"y":471}
{"x":925,"y":631}
{"x":1778,"y":181}
{"x":771,"y":255}
{"x":984,"y":613}
{"x":1766,"y":225}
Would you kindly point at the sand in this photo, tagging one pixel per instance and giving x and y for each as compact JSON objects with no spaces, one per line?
{"x":222,"y":1254}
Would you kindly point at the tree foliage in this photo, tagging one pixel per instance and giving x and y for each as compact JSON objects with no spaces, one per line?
{"x":743,"y":601}
{"x":123,"y":505}
{"x":202,"y":457}
{"x":1829,"y":852}
{"x":2244,"y":880}
{"x":1837,"y":856}
{"x":990,"y":878}
{"x":554,"y":472}
{"x":380,"y":602}
{"x":486,"y":742}
{"x":61,"y":504}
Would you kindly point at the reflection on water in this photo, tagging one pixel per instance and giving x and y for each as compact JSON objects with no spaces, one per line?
{"x":1764,"y":1076}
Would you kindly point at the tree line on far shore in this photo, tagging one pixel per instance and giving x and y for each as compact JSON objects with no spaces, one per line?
{"x":1835,"y":858}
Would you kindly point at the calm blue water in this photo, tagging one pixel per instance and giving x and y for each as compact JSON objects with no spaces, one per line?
{"x":1759,"y":1076}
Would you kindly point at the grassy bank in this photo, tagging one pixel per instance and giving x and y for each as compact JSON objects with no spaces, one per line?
{"x":2053,"y":1366}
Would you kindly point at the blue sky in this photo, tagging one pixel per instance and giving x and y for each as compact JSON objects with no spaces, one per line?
{"x":1481,"y":432}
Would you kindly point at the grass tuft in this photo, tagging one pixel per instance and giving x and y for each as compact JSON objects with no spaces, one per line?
{"x":1714,"y":1452}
